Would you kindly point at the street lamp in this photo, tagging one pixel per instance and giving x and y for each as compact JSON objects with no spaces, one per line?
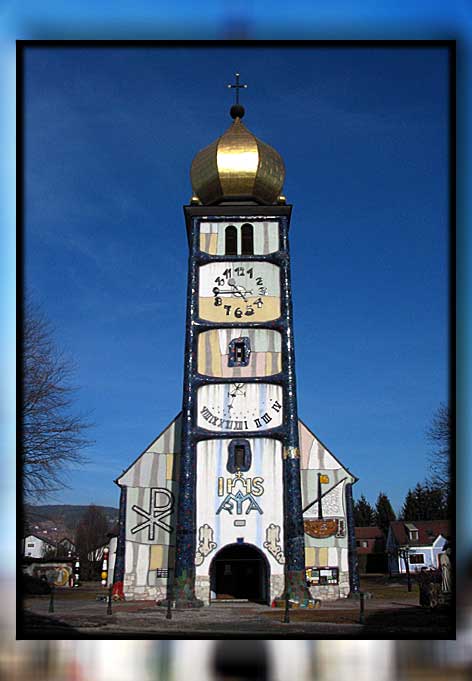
{"x":404,"y":552}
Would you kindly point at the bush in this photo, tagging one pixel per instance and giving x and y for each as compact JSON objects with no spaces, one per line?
{"x":35,"y":585}
{"x":428,"y":577}
{"x":429,"y":582}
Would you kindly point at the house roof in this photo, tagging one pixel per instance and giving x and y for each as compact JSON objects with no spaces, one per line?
{"x":43,"y":539}
{"x":428,"y":531}
{"x":369,"y":533}
{"x":66,"y":539}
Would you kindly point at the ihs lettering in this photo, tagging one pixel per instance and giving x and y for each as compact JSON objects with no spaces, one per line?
{"x":252,"y":486}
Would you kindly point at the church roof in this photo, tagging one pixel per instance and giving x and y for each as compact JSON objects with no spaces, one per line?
{"x":314,"y":455}
{"x":237,"y":165}
{"x":142,"y":472}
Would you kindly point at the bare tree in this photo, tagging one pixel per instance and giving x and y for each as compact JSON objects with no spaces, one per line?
{"x":439,"y":435}
{"x":53,"y":434}
{"x":91,"y":534}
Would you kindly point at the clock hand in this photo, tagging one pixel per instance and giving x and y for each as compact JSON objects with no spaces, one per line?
{"x":218,"y":291}
{"x":236,"y":289}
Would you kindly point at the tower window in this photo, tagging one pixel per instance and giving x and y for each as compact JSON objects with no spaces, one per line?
{"x":231,"y":240}
{"x":239,"y":456}
{"x":247,"y":239}
{"x":239,"y":352}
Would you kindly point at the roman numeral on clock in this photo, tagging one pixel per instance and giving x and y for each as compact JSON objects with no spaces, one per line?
{"x":265,"y":417}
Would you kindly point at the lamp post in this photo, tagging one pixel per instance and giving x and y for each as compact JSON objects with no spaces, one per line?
{"x":51,"y":599}
{"x":404,"y":554}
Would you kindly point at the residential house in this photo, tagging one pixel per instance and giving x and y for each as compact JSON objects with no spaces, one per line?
{"x":97,"y":553}
{"x":370,"y":547}
{"x":419,"y":542}
{"x":37,"y":547}
{"x":66,"y":546}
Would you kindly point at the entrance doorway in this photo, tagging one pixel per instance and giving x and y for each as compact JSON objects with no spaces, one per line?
{"x":240,"y":571}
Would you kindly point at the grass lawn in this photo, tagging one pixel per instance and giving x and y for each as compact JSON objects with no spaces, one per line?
{"x":384,"y":588}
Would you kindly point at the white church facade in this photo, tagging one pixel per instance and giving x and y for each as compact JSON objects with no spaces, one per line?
{"x":237,"y":498}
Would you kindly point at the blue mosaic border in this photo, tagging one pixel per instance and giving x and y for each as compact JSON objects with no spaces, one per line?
{"x":287,"y":433}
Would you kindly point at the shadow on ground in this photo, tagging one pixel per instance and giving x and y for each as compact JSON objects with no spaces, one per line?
{"x":437,"y":621}
{"x":42,"y":626}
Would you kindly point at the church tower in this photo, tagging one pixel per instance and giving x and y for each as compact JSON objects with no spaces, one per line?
{"x":240,"y":460}
{"x":218,"y":506}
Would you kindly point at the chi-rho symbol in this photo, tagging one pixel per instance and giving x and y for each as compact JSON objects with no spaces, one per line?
{"x":156,"y":513}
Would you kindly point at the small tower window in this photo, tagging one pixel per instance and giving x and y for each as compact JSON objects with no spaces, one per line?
{"x":247,"y":239}
{"x":239,"y":352}
{"x":239,"y":456}
{"x":231,"y":240}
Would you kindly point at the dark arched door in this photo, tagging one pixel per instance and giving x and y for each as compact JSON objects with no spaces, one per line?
{"x":239,"y":571}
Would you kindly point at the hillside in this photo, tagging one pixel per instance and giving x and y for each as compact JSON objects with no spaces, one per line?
{"x":61,"y":519}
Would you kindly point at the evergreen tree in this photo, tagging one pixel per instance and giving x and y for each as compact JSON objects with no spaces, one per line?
{"x":424,"y":502}
{"x":410,"y":510}
{"x":384,"y":512}
{"x":364,"y":515}
{"x":436,"y":504}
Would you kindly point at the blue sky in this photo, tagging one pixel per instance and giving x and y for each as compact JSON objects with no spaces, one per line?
{"x":110,"y":135}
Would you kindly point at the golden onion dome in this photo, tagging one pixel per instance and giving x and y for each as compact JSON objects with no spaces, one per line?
{"x":237,"y":166}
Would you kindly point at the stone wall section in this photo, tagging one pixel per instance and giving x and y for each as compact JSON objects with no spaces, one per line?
{"x":331,"y":592}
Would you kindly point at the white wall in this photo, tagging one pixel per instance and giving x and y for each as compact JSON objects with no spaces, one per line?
{"x":266,"y":465}
{"x":38,"y":549}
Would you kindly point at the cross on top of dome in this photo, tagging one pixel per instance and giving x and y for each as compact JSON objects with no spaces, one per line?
{"x":237,"y":110}
{"x":237,"y":166}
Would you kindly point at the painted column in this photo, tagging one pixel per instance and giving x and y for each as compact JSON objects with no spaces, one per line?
{"x":294,"y":540}
{"x":119,"y":570}
{"x":183,"y":588}
{"x":351,"y":538}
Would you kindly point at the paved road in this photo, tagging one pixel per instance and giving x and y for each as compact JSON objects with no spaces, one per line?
{"x":80,"y":614}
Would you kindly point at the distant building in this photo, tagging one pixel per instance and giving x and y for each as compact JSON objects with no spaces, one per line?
{"x":370,"y":547}
{"x":65,"y":545}
{"x":369,"y":540}
{"x":36,"y":547}
{"x":420,"y":542}
{"x":97,"y":553}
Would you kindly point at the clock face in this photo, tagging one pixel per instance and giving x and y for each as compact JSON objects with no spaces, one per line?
{"x":241,"y":291}
{"x":239,"y":406}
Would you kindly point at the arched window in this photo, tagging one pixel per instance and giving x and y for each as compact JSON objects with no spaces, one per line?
{"x":247,"y":239}
{"x":239,"y":456}
{"x":231,"y":240}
